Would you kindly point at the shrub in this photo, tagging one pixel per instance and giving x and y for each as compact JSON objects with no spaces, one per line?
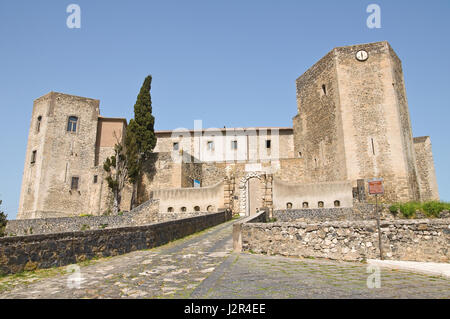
{"x":409,"y":209}
{"x":394,"y":208}
{"x":433,"y":208}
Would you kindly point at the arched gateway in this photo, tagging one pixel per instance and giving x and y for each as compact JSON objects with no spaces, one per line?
{"x":255,"y":192}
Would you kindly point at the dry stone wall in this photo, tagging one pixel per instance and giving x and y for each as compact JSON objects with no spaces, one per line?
{"x":415,"y":240}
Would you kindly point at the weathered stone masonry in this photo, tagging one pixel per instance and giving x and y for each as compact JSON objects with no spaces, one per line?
{"x":415,"y":240}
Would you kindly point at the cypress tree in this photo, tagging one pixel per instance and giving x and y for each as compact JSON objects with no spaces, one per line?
{"x":140,"y":137}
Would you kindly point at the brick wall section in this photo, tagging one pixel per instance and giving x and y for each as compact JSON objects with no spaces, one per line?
{"x":415,"y":240}
{"x":45,"y":251}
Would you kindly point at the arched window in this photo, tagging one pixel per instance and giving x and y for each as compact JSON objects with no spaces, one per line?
{"x":210,"y":208}
{"x":305,"y":205}
{"x":38,"y":124}
{"x":170,"y":210}
{"x":183,"y":209}
{"x":288,"y":205}
{"x":337,"y":203}
{"x":320,"y":204}
{"x":197,"y":208}
{"x":72,"y":124}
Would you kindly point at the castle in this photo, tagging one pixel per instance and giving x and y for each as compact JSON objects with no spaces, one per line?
{"x":352,"y":125}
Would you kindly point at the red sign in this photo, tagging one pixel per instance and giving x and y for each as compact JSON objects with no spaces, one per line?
{"x":376,"y":187}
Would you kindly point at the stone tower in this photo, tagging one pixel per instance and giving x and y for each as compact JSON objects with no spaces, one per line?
{"x":353,"y":120}
{"x":62,"y":176}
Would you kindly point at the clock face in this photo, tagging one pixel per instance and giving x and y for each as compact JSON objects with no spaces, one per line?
{"x":362,"y":55}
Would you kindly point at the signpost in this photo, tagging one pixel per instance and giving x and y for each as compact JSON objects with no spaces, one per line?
{"x":376,"y":188}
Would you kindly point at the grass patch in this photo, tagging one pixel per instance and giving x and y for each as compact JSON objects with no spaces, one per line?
{"x":409,"y":209}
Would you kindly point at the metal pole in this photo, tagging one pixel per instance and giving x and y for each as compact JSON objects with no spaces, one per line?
{"x":378,"y":226}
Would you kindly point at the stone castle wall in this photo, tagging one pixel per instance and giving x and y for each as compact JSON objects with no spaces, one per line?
{"x":377,"y":130}
{"x":60,"y":155}
{"x":318,"y":134}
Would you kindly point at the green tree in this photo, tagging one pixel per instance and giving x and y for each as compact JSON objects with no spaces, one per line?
{"x":117,"y":174}
{"x":140,"y":137}
{"x":3,"y":220}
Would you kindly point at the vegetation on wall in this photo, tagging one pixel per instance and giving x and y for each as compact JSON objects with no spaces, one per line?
{"x":140,"y":138}
{"x":430,"y":209}
{"x":3,"y":220}
{"x":117,"y":174}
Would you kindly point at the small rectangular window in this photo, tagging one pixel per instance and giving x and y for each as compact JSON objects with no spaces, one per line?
{"x":176,"y":146}
{"x":268,"y":144}
{"x":74,"y":184}
{"x":234,"y":145}
{"x":38,"y":125}
{"x":72,"y":124}
{"x":210,"y":145}
{"x":33,"y":157}
{"x":95,"y":179}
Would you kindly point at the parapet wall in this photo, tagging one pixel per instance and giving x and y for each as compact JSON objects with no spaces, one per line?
{"x":146,"y":213}
{"x":414,"y":240}
{"x":205,"y":198}
{"x":52,"y":250}
{"x":319,"y":214}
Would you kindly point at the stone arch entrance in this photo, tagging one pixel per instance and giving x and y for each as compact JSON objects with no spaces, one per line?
{"x":255,"y":192}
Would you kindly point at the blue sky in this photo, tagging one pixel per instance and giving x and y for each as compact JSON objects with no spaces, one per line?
{"x":230,"y":63}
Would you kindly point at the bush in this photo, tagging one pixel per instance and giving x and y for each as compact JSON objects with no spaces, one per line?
{"x":433,"y":208}
{"x":409,"y":209}
{"x":394,"y":208}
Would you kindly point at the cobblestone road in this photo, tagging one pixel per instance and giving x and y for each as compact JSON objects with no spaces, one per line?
{"x":202,"y":266}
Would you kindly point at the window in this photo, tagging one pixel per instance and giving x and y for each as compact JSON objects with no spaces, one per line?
{"x":197,"y":208}
{"x":176,"y":146}
{"x":170,"y":210}
{"x":337,"y":203}
{"x":210,"y":209}
{"x":288,"y":205}
{"x":33,"y":157}
{"x":74,"y":184}
{"x":305,"y":205}
{"x":38,"y":125}
{"x":210,"y":145}
{"x":320,"y":204}
{"x":373,"y":147}
{"x":324,"y":89}
{"x":72,"y":124}
{"x":183,"y":209}
{"x":95,"y":179}
{"x":234,"y":145}
{"x":268,"y":143}
{"x":299,"y":154}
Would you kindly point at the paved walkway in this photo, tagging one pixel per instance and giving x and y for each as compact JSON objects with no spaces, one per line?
{"x":203,"y":266}
{"x":430,"y":268}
